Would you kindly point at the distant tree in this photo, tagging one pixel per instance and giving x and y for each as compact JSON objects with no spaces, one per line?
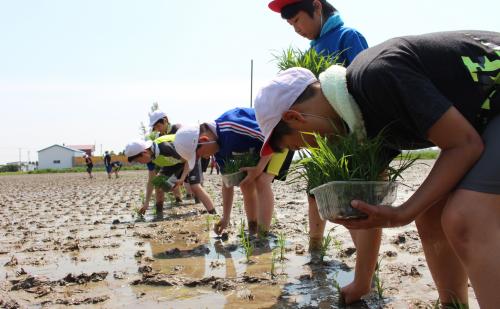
{"x":9,"y":168}
{"x":142,"y":128}
{"x":155,"y":106}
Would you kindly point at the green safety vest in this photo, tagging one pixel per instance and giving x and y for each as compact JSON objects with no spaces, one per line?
{"x":162,"y":160}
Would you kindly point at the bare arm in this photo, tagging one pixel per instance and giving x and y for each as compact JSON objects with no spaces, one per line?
{"x":185,"y":172}
{"x":461,"y":146}
{"x":149,"y":191}
{"x":227,"y":201}
{"x":227,"y":205}
{"x":254,"y":172}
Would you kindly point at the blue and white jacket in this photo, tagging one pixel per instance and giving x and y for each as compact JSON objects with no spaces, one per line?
{"x":335,"y":38}
{"x":238,"y":132}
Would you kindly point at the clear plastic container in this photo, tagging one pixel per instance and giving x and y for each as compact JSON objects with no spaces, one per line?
{"x":233,"y":179}
{"x":334,"y":198}
{"x":168,"y":184}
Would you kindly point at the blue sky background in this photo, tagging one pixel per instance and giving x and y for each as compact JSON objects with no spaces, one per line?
{"x":87,"y":71}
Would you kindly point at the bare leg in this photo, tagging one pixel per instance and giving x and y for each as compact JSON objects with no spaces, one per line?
{"x":250,"y":203}
{"x":160,"y":197}
{"x":471,"y":223}
{"x":188,"y":189}
{"x":200,"y":192}
{"x":367,"y":244}
{"x":177,"y":193}
{"x":316,"y":226}
{"x":265,"y":201}
{"x":446,"y":269}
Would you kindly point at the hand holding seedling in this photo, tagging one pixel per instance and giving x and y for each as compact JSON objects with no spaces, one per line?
{"x":178,"y":183}
{"x":252,"y":174}
{"x":378,"y":217}
{"x":220,"y":226}
{"x":143,"y":209}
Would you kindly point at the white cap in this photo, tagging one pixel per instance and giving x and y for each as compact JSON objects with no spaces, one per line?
{"x":186,"y":140}
{"x":136,"y":147}
{"x":155,"y":116}
{"x":277,"y":97}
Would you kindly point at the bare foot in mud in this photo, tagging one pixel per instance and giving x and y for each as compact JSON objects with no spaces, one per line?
{"x":352,"y":293}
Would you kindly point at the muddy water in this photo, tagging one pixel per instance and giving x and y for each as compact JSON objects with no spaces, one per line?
{"x":55,"y":225}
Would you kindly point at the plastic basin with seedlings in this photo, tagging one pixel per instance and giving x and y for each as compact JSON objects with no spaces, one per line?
{"x":333,"y":199}
{"x":233,"y":179}
{"x":232,"y":175}
{"x":163,"y":182}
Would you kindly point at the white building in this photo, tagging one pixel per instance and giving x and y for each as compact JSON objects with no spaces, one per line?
{"x":57,"y":157}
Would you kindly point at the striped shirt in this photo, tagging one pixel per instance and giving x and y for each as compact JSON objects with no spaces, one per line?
{"x":238,"y":132}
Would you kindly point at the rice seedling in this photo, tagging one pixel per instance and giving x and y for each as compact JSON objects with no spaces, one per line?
{"x":248,"y":247}
{"x":282,"y":245}
{"x":337,"y":244}
{"x":274,"y":219}
{"x":310,"y":59}
{"x":164,"y":182}
{"x":209,"y":220}
{"x":239,"y":205}
{"x":306,"y":227}
{"x":273,"y":264}
{"x":337,"y":287}
{"x":245,"y":241}
{"x":345,"y":158}
{"x":234,"y":164}
{"x":137,"y":209}
{"x":436,"y":304}
{"x":171,"y":198}
{"x":325,"y":245}
{"x":456,"y":304}
{"x":379,"y":284}
{"x":242,"y":228}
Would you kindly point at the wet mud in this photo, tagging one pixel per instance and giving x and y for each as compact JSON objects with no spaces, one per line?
{"x":70,"y":241}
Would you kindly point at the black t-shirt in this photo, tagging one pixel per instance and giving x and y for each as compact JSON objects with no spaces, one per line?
{"x":174,"y":128}
{"x":107,"y":159}
{"x":405,"y":85}
{"x":167,"y":149}
{"x":88,"y":161}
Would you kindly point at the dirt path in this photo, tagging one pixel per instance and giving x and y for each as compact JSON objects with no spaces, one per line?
{"x":69,"y":241}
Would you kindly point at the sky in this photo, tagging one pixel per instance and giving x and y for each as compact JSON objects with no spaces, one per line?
{"x":88,"y":71}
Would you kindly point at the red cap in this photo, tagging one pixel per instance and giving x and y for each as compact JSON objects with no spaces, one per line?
{"x":278,"y":5}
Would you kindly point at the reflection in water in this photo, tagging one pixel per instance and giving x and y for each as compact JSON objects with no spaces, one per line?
{"x":299,"y":283}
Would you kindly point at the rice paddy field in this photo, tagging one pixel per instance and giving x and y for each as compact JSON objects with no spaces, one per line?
{"x":68,"y":241}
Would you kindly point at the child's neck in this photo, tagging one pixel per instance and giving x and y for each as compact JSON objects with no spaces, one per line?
{"x":331,"y":123}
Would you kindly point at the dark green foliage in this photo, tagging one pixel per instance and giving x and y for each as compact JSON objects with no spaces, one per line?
{"x":161,"y":181}
{"x":310,"y":59}
{"x":345,"y":158}
{"x":234,"y":164}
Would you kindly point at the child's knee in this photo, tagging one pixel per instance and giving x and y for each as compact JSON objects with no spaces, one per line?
{"x":455,"y":225}
{"x":264,"y":180}
{"x":247,"y":187}
{"x":196,"y":188}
